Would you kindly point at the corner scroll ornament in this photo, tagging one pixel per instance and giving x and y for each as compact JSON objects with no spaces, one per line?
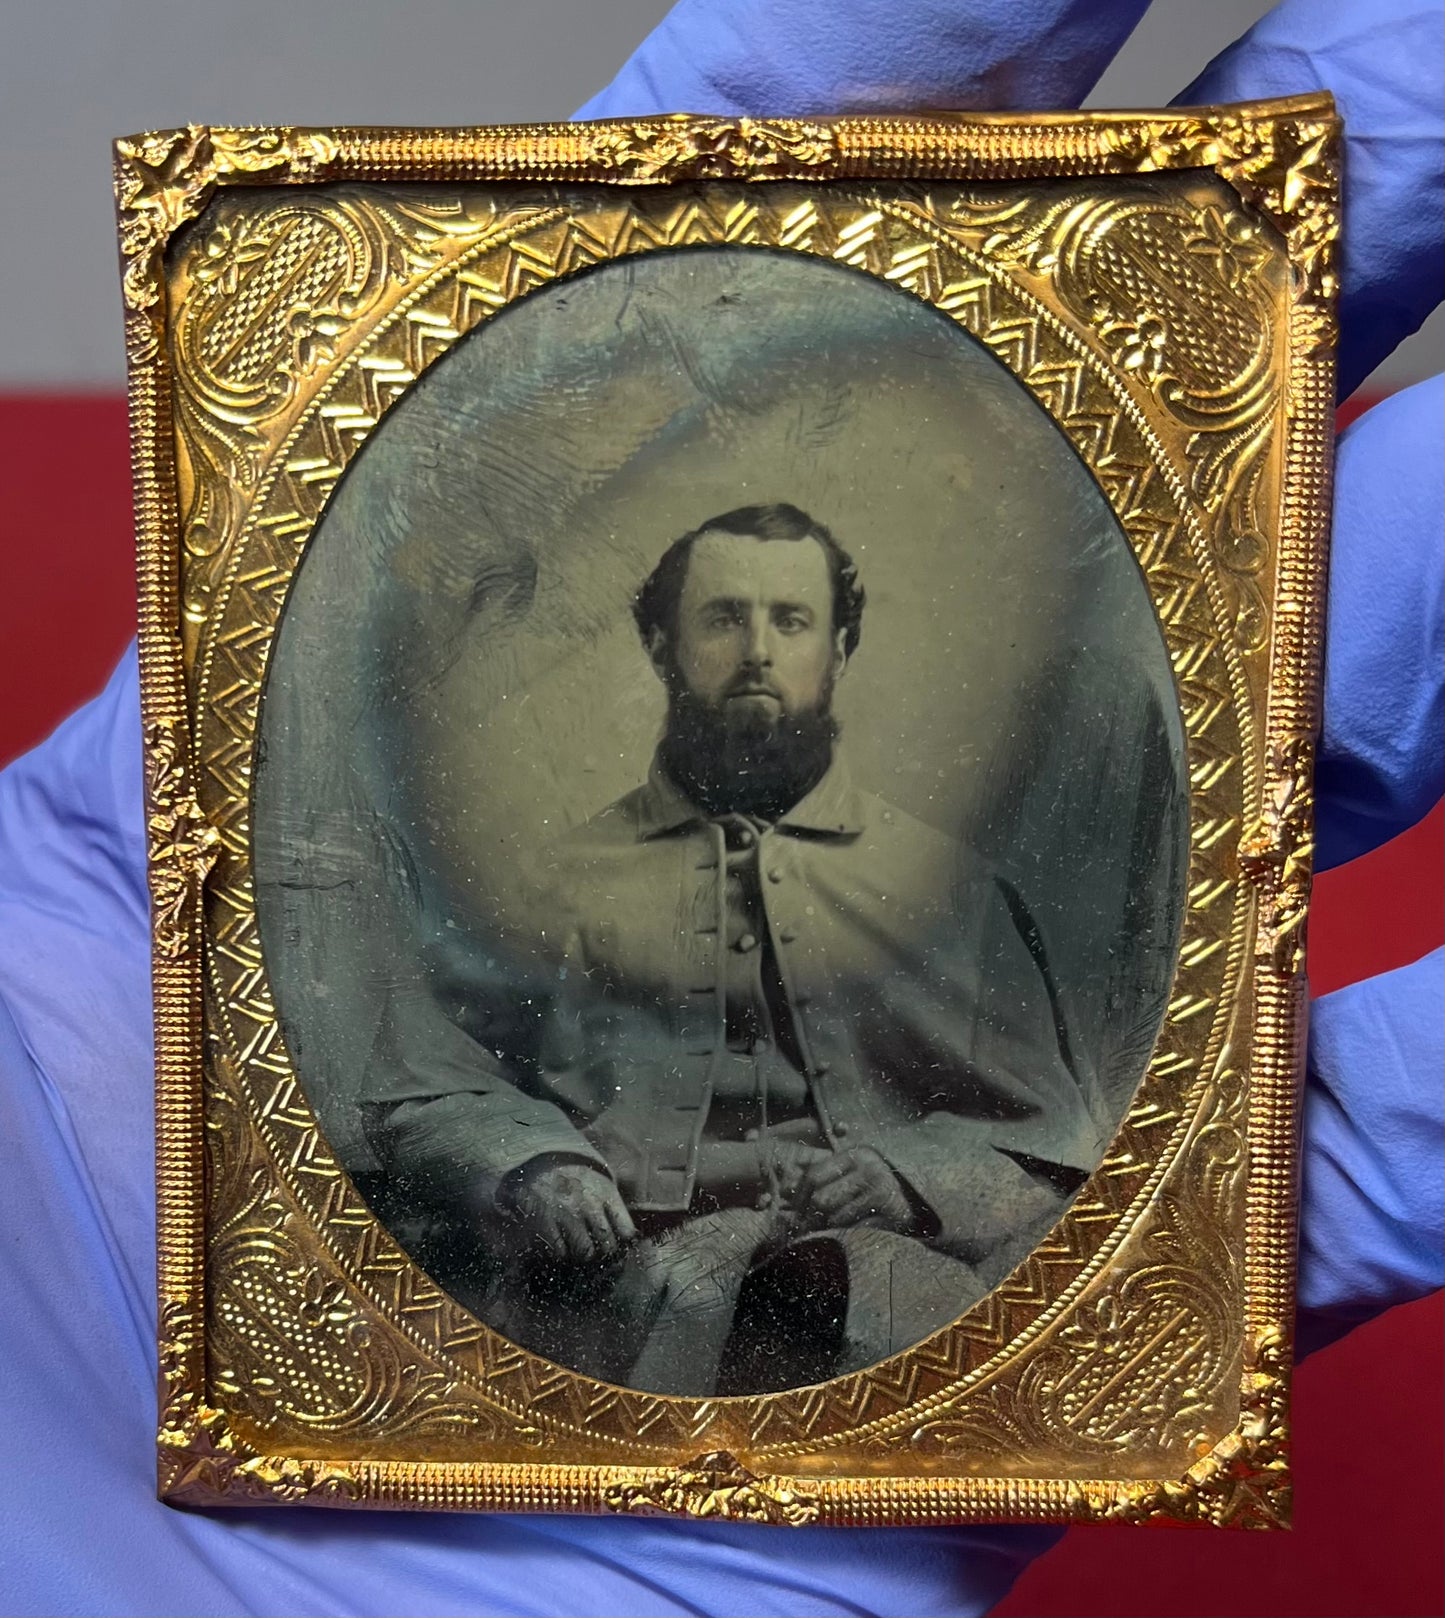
{"x":689,"y":148}
{"x":184,"y":844}
{"x":1243,"y":1481}
{"x":1285,"y":168}
{"x":163,"y":180}
{"x":201,"y":1458}
{"x":1277,"y":853}
{"x":715,"y":1485}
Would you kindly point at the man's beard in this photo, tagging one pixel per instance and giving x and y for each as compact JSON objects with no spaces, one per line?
{"x":732,"y":760}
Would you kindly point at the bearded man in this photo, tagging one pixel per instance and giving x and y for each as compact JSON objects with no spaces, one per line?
{"x":793,"y":1088}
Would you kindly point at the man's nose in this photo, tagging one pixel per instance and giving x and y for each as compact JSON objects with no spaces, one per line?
{"x":760,"y":641}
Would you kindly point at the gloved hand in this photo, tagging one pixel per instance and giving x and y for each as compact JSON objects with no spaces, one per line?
{"x":76,"y":1399}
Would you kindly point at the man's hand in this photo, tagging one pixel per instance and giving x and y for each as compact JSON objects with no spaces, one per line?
{"x":572,"y":1209}
{"x":854,"y":1187}
{"x":791,"y":1160}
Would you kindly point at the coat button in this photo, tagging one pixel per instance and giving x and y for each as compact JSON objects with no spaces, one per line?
{"x":788,"y":935}
{"x":775,"y":875}
{"x":822,"y":1070}
{"x":840,"y":1130}
{"x":765,"y":1200}
{"x":747,"y":941}
{"x":753,"y":1134}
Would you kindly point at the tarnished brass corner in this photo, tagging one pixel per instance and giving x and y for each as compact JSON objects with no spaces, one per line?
{"x":163,"y":180}
{"x":1287,"y":168}
{"x":1243,"y":1482}
{"x":201,"y":1460}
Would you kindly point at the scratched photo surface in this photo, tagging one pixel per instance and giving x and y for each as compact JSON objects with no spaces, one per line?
{"x":720,"y":822}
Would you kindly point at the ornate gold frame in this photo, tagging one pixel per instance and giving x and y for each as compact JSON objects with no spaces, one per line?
{"x":1167,"y":296}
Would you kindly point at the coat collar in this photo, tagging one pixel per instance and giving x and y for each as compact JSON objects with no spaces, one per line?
{"x":834,"y":808}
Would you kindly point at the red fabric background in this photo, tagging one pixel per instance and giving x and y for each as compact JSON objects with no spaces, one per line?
{"x":1368,"y":1412}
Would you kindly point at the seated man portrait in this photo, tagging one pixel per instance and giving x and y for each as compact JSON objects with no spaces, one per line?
{"x":785,"y":1083}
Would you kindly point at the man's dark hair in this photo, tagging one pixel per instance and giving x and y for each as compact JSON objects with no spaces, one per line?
{"x":655,"y":604}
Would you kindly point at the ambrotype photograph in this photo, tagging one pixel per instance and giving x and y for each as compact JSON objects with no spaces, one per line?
{"x":720,"y":822}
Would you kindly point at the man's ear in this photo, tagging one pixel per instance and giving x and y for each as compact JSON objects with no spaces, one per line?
{"x":657,"y":652}
{"x":840,"y":653}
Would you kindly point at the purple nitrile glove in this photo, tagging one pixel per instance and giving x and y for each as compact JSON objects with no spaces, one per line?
{"x":1373,"y":1213}
{"x":1382,"y":63}
{"x":76,"y":1400}
{"x":1373,"y":1216}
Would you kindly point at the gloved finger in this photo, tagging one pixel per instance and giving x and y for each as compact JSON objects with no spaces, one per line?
{"x":1381,"y":61}
{"x":773,"y":58}
{"x":1382,"y":755}
{"x":75,"y":949}
{"x":1373,"y":1210}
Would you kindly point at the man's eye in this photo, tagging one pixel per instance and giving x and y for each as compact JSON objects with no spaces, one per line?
{"x":723,"y":618}
{"x":793,"y":622}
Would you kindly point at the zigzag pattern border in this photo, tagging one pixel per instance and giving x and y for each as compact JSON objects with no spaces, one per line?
{"x":338,"y":421}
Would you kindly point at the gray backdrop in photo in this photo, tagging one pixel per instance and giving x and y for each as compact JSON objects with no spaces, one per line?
{"x":457,"y":680}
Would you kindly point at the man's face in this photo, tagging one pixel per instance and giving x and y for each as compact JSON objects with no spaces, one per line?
{"x":754,"y":637}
